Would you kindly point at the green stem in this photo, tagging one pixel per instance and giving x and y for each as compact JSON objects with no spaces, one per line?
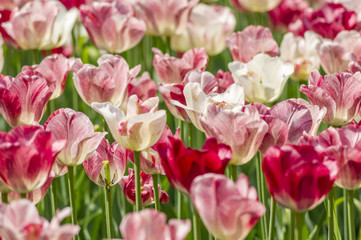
{"x":138,"y":199}
{"x":156,"y":191}
{"x":108,"y":212}
{"x":54,"y":199}
{"x":292,"y":225}
{"x":23,"y":195}
{"x":190,"y":135}
{"x":234,"y":173}
{"x":345,"y":226}
{"x":261,"y":194}
{"x":271,"y":229}
{"x":168,"y":47}
{"x":4,"y":197}
{"x":72,"y":196}
{"x":196,"y":224}
{"x":298,"y":220}
{"x":179,"y":202}
{"x":350,"y":215}
{"x":330,"y":206}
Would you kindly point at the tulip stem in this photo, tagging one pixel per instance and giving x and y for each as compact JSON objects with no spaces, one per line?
{"x":108,"y":211}
{"x":345,"y":226}
{"x":23,"y":195}
{"x":330,"y":206}
{"x":350,"y":215}
{"x":72,"y":196}
{"x":138,"y":200}
{"x":298,"y":222}
{"x":234,"y":174}
{"x":156,"y":191}
{"x":196,"y":224}
{"x":4,"y":197}
{"x":54,"y":199}
{"x":190,"y":135}
{"x":271,"y":229}
{"x":179,"y":208}
{"x":261,"y":192}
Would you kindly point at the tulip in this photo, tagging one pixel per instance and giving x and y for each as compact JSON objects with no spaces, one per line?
{"x":20,"y":220}
{"x":127,"y":185}
{"x":174,"y":70}
{"x":263,"y":78}
{"x":23,"y":98}
{"x":106,"y":166}
{"x":257,"y":5}
{"x":328,"y":21}
{"x":140,"y":128}
{"x":74,"y":3}
{"x":11,"y":4}
{"x":355,"y":64}
{"x":340,"y":93}
{"x":232,"y":215}
{"x":144,"y":87}
{"x":182,"y":165}
{"x":151,"y":225}
{"x":301,"y":167}
{"x":241,"y":129}
{"x":54,"y":69}
{"x":111,"y":25}
{"x":1,"y":53}
{"x":301,"y":51}
{"x":106,"y":83}
{"x":78,"y":130}
{"x":335,"y":55}
{"x":164,"y":18}
{"x":40,"y":25}
{"x":258,"y":39}
{"x":208,"y":26}
{"x":27,"y":154}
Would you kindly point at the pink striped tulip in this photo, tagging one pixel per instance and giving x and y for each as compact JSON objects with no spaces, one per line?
{"x":258,"y":39}
{"x":228,"y":210}
{"x":140,"y":128}
{"x":106,"y":166}
{"x":144,"y":87}
{"x":40,"y":25}
{"x":23,"y":99}
{"x":20,"y":220}
{"x":164,"y":17}
{"x":291,"y":167}
{"x":340,"y":93}
{"x":78,"y":130}
{"x":106,"y":83}
{"x":151,"y":225}
{"x":127,"y":184}
{"x":54,"y":69}
{"x":111,"y":25}
{"x":27,"y":154}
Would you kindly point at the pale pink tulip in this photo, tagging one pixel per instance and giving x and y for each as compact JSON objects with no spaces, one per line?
{"x":11,"y":4}
{"x":140,"y":128}
{"x":150,"y":224}
{"x":258,"y":39}
{"x":228,"y":210}
{"x":54,"y":69}
{"x":20,"y":220}
{"x":340,"y":93}
{"x":256,"y":5}
{"x":208,"y":26}
{"x":111,"y":25}
{"x":106,"y":83}
{"x":144,"y":87}
{"x":41,"y":25}
{"x":23,"y":99}
{"x":107,"y":165}
{"x":164,"y":17}
{"x":78,"y":130}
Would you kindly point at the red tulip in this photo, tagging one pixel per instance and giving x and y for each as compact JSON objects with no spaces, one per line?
{"x":298,"y":177}
{"x":182,"y":165}
{"x":27,"y":154}
{"x":127,"y":184}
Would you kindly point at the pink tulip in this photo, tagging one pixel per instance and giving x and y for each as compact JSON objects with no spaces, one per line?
{"x":23,"y":98}
{"x":240,"y":128}
{"x":164,"y":17}
{"x":298,"y":177}
{"x":208,"y":27}
{"x":111,"y":25}
{"x":174,"y":70}
{"x":150,"y":224}
{"x":182,"y":165}
{"x":355,"y":64}
{"x":78,"y":130}
{"x":20,"y":220}
{"x":11,"y":4}
{"x":258,"y":39}
{"x":106,"y":83}
{"x":54,"y":69}
{"x":340,"y":93}
{"x":27,"y":154}
{"x":228,"y":210}
{"x":140,"y":128}
{"x":59,"y":170}
{"x":40,"y":25}
{"x":144,"y":87}
{"x":255,"y":5}
{"x":127,"y":184}
{"x":107,"y":165}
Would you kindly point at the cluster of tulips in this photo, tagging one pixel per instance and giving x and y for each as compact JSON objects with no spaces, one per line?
{"x":71,"y":94}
